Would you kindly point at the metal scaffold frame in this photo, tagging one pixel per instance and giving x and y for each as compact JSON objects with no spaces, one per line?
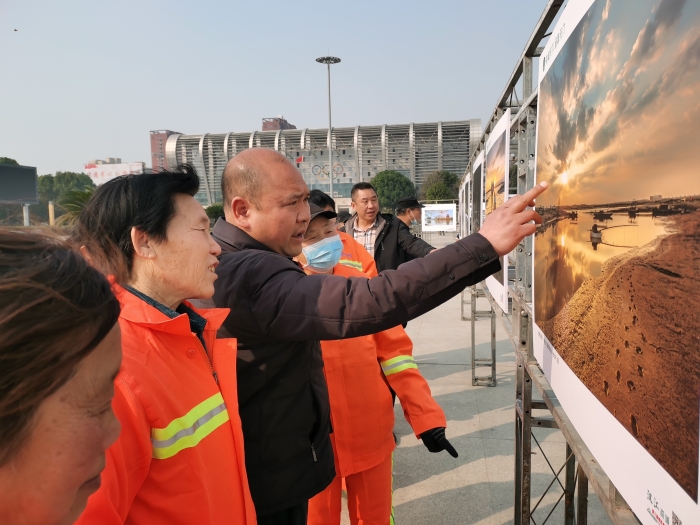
{"x":580,"y":467}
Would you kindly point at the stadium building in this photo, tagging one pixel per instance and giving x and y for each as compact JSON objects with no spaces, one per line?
{"x":359,"y":153}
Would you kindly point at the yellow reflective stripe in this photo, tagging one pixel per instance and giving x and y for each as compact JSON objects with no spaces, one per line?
{"x":395,"y":360}
{"x":192,"y":440}
{"x":187,"y":431}
{"x":188,"y":419}
{"x":352,"y":264}
{"x":400,"y":368}
{"x":398,"y":364}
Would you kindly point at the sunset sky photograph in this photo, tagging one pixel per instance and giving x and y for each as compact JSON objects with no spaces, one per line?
{"x":618,"y":111}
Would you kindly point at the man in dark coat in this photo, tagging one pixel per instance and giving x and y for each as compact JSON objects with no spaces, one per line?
{"x":279,"y":315}
{"x":409,"y":211}
{"x":384,"y":236}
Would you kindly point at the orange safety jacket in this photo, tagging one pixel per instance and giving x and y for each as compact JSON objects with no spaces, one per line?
{"x":179,"y":459}
{"x":355,"y":256}
{"x":362,"y":408}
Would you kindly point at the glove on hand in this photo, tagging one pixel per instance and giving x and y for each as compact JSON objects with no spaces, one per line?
{"x":435,"y":441}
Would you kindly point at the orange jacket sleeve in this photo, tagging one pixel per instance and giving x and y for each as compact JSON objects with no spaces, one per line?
{"x":394,"y":350}
{"x":127,"y":462}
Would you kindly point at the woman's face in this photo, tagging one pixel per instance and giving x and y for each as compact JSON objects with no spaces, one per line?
{"x":48,"y":482}
{"x":183,"y":266}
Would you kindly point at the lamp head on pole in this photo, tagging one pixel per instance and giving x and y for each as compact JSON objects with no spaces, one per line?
{"x":327,"y":60}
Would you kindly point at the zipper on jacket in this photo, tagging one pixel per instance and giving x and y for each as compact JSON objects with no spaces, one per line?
{"x":313,"y":452}
{"x":206,"y":356}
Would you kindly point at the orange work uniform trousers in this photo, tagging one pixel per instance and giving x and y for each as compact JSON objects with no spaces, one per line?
{"x":369,"y":497}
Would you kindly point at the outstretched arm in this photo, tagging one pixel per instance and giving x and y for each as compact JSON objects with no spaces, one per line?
{"x":395,"y":354}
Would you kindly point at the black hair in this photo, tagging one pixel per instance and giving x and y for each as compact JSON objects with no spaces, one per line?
{"x":344,"y":216}
{"x":142,"y":201}
{"x":361,"y":186}
{"x":321,"y":199}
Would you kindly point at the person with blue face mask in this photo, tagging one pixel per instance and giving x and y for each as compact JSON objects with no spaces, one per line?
{"x":359,"y":372}
{"x":408,"y":211}
{"x":322,"y":247}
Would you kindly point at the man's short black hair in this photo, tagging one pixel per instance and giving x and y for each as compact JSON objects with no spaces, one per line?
{"x":343,"y":216}
{"x":361,"y":186}
{"x":142,"y":201}
{"x":321,"y":199}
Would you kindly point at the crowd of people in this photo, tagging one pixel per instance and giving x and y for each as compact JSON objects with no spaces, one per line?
{"x":253,"y":368}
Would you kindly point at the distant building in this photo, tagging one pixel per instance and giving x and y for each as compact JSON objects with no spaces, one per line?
{"x":158,"y":140}
{"x":278,"y":122}
{"x":101,"y":171}
{"x":655,"y":198}
{"x":359,"y":153}
{"x":108,"y":160}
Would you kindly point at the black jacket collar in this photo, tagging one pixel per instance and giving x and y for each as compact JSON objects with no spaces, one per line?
{"x":232,"y":239}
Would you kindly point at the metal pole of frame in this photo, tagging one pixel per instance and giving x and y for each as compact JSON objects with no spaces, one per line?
{"x":330,"y":143}
{"x":25,"y":213}
{"x":329,"y":61}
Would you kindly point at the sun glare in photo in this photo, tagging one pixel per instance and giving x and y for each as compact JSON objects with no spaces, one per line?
{"x":564,"y":178}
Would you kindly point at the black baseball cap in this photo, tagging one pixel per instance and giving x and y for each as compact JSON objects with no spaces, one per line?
{"x":317,"y":210}
{"x":408,"y":203}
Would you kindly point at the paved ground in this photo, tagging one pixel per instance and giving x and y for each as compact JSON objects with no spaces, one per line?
{"x":476,"y":488}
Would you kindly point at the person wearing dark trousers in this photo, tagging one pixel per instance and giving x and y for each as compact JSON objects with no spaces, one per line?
{"x":384,"y":236}
{"x":279,"y":314}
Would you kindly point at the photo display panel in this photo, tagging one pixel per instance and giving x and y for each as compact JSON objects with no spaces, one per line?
{"x":464,"y":206}
{"x":617,"y":259}
{"x":439,"y":218}
{"x":495,"y":187}
{"x":477,"y":175}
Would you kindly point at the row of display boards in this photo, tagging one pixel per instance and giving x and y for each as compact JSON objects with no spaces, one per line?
{"x":616,"y":262}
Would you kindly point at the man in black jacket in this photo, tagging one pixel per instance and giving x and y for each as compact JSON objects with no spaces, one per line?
{"x":384,"y":236}
{"x":279,"y":315}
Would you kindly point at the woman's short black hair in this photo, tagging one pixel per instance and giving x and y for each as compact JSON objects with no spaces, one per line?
{"x":142,"y":201}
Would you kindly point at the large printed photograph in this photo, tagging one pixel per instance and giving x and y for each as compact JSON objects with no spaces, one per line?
{"x":495,"y":188}
{"x":495,"y":183}
{"x":617,"y":260}
{"x":439,"y":218}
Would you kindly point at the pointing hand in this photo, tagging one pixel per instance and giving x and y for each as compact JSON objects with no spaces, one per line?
{"x":511,"y":222}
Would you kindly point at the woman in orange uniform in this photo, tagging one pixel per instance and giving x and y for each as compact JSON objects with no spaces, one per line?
{"x":359,"y":372}
{"x":179,"y":459}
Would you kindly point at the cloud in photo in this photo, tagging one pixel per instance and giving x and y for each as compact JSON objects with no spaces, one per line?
{"x":621,"y":95}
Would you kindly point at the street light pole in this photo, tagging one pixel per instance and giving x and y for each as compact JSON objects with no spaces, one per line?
{"x":328,"y":61}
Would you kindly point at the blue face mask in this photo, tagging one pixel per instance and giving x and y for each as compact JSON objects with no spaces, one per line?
{"x":325,"y":254}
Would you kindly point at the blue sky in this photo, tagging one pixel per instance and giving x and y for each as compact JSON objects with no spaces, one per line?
{"x":89,"y":79}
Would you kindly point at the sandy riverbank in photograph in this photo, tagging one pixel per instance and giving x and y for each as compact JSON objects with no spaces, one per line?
{"x":632,"y":335}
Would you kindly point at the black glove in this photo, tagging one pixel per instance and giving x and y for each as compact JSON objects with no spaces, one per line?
{"x":435,"y":441}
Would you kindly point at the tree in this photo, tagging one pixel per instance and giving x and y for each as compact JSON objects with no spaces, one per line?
{"x":438,"y":192}
{"x":8,"y":160}
{"x":73,"y":202}
{"x":392,"y":186}
{"x":52,"y":188}
{"x":440,"y":185}
{"x":214,"y":212}
{"x":60,"y":188}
